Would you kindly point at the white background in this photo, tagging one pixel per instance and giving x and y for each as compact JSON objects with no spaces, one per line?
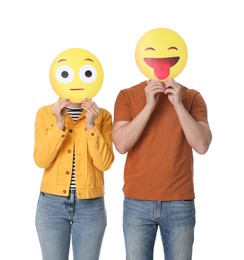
{"x":34,"y":32}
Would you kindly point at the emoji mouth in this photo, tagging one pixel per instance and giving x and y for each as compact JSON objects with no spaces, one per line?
{"x":76,"y":88}
{"x":161,"y":66}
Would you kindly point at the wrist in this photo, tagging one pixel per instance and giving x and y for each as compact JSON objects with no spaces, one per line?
{"x":60,"y":126}
{"x":149,"y":108}
{"x":179,"y":107}
{"x":89,"y":126}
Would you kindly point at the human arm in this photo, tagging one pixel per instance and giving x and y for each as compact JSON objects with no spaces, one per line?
{"x":197,"y":133}
{"x":59,"y":110}
{"x":126,"y":133}
{"x":92,"y":111}
{"x":99,"y":135}
{"x":48,"y":135}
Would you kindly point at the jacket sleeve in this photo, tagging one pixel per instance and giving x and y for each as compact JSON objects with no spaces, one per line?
{"x":48,"y":140}
{"x":100,"y":144}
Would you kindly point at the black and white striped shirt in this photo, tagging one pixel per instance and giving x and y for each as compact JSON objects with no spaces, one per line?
{"x":74,"y":114}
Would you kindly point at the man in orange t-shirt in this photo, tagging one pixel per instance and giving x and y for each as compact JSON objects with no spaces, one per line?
{"x":158,"y":124}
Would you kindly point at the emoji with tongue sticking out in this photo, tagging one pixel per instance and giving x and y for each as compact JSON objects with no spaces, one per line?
{"x":161,"y":53}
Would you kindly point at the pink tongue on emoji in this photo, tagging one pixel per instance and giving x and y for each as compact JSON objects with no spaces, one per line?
{"x":161,"y":68}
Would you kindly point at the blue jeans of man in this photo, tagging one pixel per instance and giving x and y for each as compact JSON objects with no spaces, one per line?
{"x":175,"y":219}
{"x":61,"y":219}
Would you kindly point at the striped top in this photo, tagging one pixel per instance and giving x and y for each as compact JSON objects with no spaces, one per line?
{"x":74,"y":114}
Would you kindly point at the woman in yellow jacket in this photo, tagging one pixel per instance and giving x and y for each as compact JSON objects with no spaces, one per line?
{"x":73,"y":145}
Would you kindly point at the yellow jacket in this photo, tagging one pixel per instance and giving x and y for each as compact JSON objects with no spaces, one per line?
{"x":54,"y":151}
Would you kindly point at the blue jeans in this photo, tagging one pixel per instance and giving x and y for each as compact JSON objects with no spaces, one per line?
{"x":58,"y":219}
{"x":175,"y":219}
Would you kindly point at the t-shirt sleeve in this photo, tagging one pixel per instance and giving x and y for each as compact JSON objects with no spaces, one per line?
{"x":122,"y":108}
{"x":199,"y":109}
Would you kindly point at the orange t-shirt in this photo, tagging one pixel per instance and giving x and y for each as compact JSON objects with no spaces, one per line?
{"x":160,"y":165}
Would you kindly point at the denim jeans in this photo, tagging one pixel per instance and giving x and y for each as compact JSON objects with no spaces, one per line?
{"x":175,"y":219}
{"x":60,"y":219}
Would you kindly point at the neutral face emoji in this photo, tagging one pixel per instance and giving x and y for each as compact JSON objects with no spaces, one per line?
{"x":76,"y":74}
{"x":161,"y":53}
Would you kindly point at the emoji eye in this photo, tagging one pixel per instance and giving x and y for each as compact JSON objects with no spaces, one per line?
{"x":172,"y":48}
{"x":149,"y":49}
{"x":88,"y":73}
{"x":64,"y":74}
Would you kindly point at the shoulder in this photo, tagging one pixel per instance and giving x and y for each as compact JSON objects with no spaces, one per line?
{"x":193,"y":100}
{"x":134,"y":91}
{"x":45,"y":110}
{"x":138,"y":87}
{"x":190,"y":94}
{"x":188,"y":91}
{"x":104,"y":112}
